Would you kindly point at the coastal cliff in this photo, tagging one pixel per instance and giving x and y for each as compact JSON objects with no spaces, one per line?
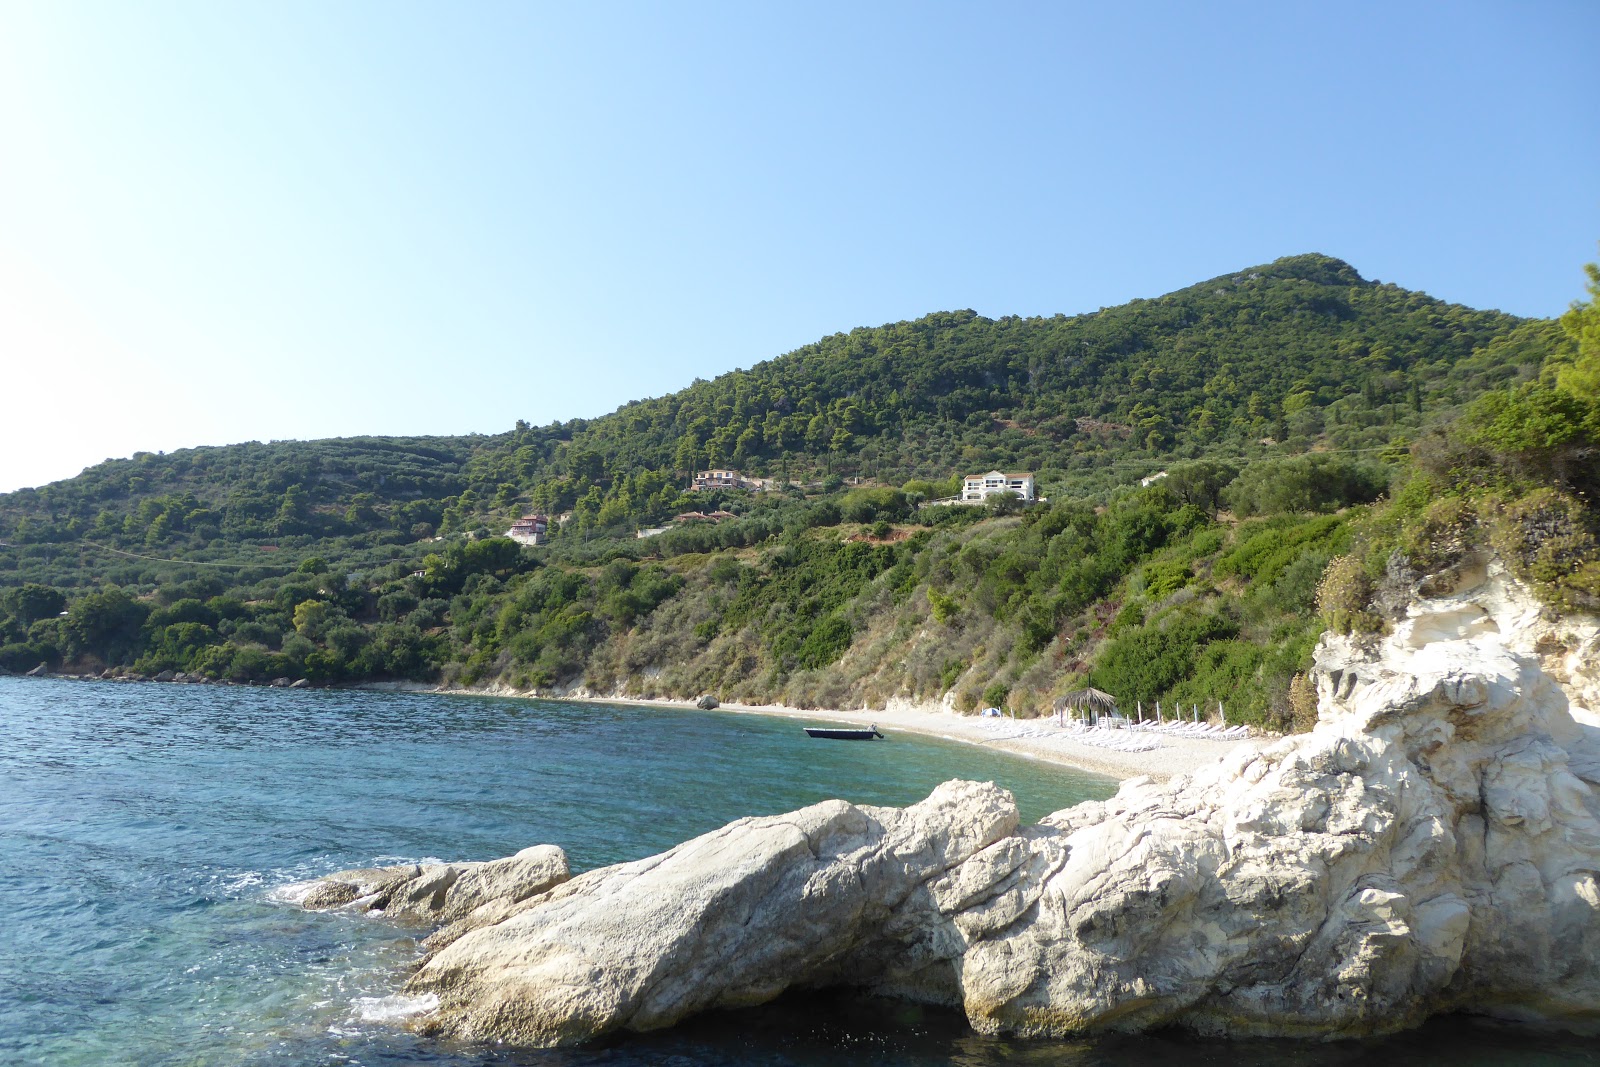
{"x":1432,"y":845}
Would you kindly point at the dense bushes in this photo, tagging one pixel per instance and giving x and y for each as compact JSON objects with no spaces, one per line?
{"x":1149,"y":661}
{"x":1517,"y":474}
{"x":1301,"y":350}
{"x":1548,"y":538}
{"x":1314,"y":482}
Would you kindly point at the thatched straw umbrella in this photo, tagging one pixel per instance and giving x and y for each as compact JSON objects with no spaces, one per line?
{"x":1090,"y":702}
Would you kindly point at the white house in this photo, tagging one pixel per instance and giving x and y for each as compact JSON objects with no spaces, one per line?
{"x":724,"y":479}
{"x":976,"y":488}
{"x":530,"y":530}
{"x":716,"y":479}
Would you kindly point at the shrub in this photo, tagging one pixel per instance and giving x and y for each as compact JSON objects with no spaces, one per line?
{"x":950,"y":672}
{"x":1343,"y":596}
{"x":1165,"y":577}
{"x":1146,"y":662}
{"x":1302,"y":703}
{"x":724,"y":569}
{"x":825,"y":643}
{"x":1442,"y":535}
{"x":1265,"y":549}
{"x":995,"y":695}
{"x":1316,"y":482}
{"x":396,"y":605}
{"x":1545,"y":539}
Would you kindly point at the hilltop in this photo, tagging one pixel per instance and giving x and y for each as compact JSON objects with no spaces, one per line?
{"x":1299,"y":352}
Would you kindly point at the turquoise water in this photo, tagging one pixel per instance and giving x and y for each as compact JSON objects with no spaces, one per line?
{"x":144,"y":828}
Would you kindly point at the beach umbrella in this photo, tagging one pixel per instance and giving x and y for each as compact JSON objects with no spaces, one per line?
{"x":1093,"y":702}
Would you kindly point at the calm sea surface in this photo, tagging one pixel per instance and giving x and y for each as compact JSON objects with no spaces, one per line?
{"x":144,"y":828}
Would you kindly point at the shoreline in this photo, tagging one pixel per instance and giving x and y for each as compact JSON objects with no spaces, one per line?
{"x":1178,"y":755}
{"x":1028,"y":738}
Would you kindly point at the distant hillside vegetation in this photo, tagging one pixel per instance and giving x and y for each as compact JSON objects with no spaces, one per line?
{"x":1301,"y":351}
{"x":1266,"y":407}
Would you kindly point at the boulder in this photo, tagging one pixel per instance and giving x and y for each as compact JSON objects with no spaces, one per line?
{"x":707,"y":703}
{"x":441,"y":892}
{"x":510,"y":880}
{"x":165,"y":676}
{"x":729,"y":919}
{"x":38,"y":672}
{"x":364,"y":884}
{"x":1433,"y":845}
{"x":300,"y":683}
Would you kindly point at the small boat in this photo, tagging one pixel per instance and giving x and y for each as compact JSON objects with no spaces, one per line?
{"x":834,"y":734}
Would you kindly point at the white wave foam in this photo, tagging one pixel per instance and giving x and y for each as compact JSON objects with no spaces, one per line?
{"x":292,"y":893}
{"x":401,"y":861}
{"x":243,"y":881}
{"x":393,"y":1008}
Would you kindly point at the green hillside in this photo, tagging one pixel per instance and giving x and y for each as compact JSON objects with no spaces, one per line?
{"x":1278,"y":399}
{"x":1299,"y":352}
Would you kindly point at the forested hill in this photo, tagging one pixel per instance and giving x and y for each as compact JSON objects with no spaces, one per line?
{"x":1286,"y":350}
{"x":1301,"y":351}
{"x":1322,"y":438}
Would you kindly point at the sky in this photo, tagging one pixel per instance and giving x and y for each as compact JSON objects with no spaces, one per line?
{"x":223,"y":222}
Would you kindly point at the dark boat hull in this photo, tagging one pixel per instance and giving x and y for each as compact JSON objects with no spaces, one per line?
{"x":841,"y":735}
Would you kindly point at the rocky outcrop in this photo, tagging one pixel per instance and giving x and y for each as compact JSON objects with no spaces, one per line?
{"x":454,"y":893}
{"x":1433,"y":845}
{"x":819,"y":896}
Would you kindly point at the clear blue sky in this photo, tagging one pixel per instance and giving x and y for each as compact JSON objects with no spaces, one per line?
{"x":224,"y":222}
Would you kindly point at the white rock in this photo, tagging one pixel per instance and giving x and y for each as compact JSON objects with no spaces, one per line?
{"x":729,"y":919}
{"x":442,"y":892}
{"x":1432,"y":845}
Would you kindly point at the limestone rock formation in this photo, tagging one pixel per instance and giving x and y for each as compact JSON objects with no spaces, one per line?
{"x":442,"y":892}
{"x":1433,"y":845}
{"x":729,"y":919}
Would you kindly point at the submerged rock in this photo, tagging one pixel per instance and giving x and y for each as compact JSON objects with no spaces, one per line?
{"x":1433,"y":845}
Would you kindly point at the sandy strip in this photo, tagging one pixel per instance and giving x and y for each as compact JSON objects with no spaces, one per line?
{"x":1178,"y":755}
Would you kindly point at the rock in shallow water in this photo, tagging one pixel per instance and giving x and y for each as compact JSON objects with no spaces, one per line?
{"x":733,"y":918}
{"x":1432,"y":846}
{"x":442,"y":892}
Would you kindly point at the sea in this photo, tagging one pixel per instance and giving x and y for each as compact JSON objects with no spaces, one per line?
{"x":148,"y":832}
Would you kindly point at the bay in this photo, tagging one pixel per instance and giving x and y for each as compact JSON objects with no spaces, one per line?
{"x":144,"y":829}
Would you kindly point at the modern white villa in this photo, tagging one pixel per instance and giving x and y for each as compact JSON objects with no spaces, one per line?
{"x":976,"y":488}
